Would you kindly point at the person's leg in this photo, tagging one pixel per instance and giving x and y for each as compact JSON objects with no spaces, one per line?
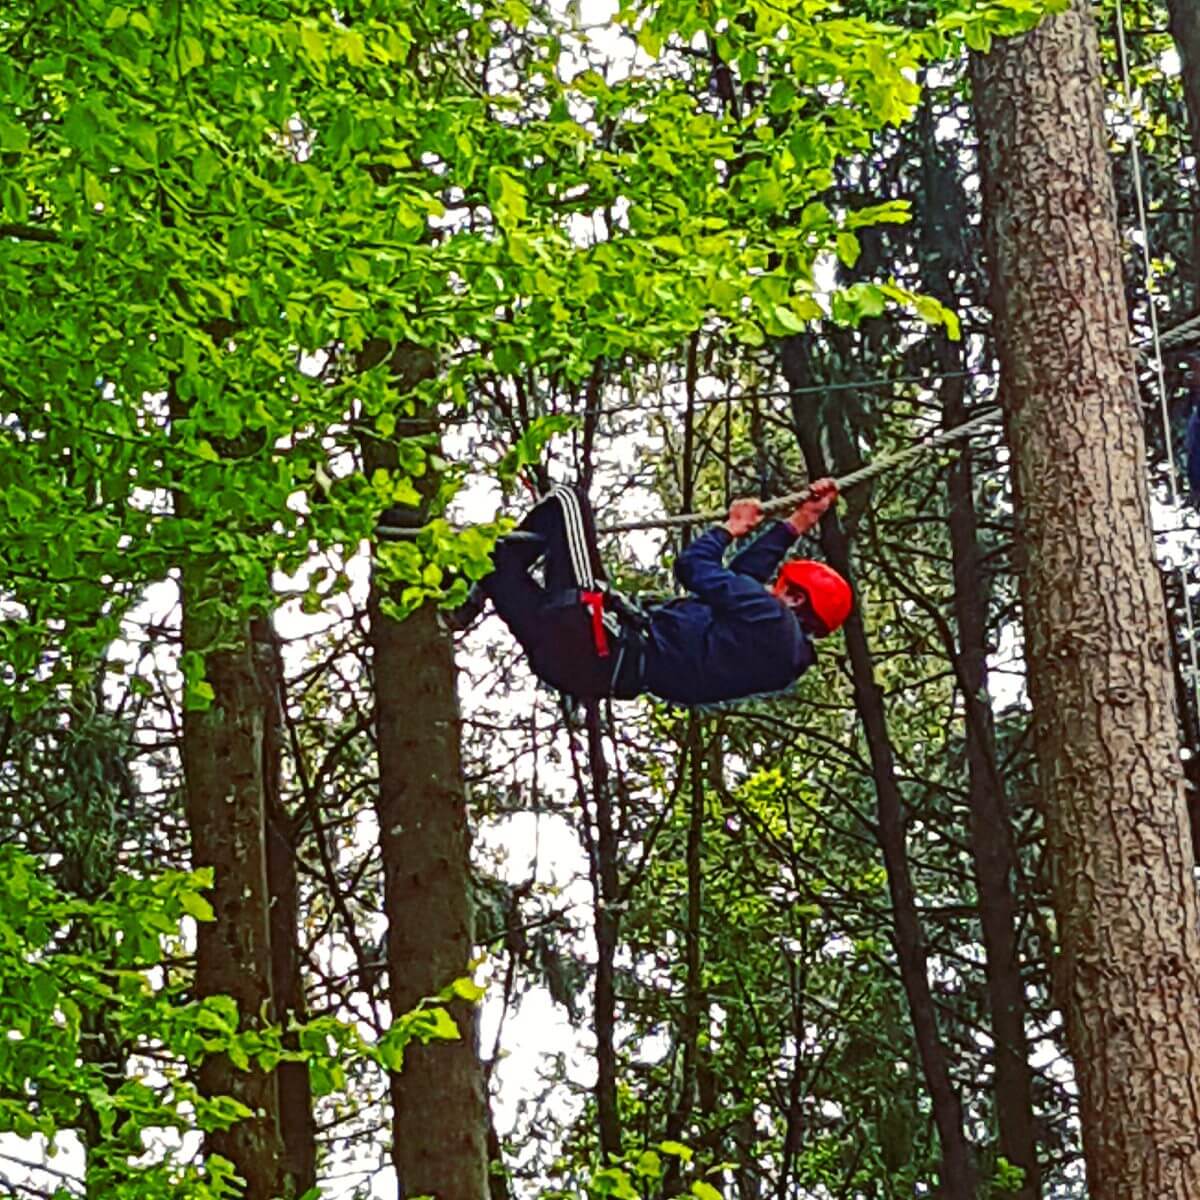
{"x":518,"y":599}
{"x":564,"y":518}
{"x":559,"y":528}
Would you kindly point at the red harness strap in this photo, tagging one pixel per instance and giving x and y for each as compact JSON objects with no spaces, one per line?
{"x":594,"y":603}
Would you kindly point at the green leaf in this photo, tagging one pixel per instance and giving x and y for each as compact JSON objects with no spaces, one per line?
{"x":506,"y":195}
{"x":649,"y":1165}
{"x":467,"y":989}
{"x":786,"y":319}
{"x":13,"y":137}
{"x":650,"y":40}
{"x":191,"y":53}
{"x":705,"y":1191}
{"x":848,"y":248}
{"x":196,"y":906}
{"x":198,"y":696}
{"x":676,"y":1150}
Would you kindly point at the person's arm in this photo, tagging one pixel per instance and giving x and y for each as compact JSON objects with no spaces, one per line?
{"x":701,"y":569}
{"x":760,"y":560}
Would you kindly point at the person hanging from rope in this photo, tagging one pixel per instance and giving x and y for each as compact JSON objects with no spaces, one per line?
{"x":731,"y":637}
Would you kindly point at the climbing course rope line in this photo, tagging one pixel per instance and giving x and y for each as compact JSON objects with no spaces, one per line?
{"x":1184,"y":330}
{"x":1156,"y":340}
{"x":877,"y":466}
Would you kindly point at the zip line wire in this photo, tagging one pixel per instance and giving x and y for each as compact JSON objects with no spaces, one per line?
{"x":1157,"y":340}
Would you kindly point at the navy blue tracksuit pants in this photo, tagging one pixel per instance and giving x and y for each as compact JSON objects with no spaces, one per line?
{"x":555,"y":629}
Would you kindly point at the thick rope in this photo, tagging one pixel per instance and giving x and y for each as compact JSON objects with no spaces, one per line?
{"x":792,"y":500}
{"x":1181,"y":332}
{"x":1157,"y":341}
{"x":780,"y":504}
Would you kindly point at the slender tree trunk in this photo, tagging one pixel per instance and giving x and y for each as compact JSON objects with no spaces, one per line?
{"x":606,"y":885}
{"x":990,"y":830}
{"x":1185,"y":29}
{"x":1184,"y":705}
{"x":943,"y":254}
{"x":223,"y":769}
{"x":693,"y":1002}
{"x":693,"y":997}
{"x":1096,"y":641}
{"x":439,"y":1138}
{"x":225,"y":806}
{"x":297,"y":1123}
{"x":957,"y":1170}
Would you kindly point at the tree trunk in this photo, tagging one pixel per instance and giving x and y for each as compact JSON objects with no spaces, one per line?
{"x":439,"y":1137}
{"x":992,"y":853}
{"x":957,"y":1169}
{"x":223,"y":769}
{"x":297,"y":1123}
{"x":606,"y":888}
{"x":944,"y":259}
{"x":1096,"y":641}
{"x":691,"y":1019}
{"x":1185,"y":29}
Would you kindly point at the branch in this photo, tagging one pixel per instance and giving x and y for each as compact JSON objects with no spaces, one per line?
{"x":29,"y":233}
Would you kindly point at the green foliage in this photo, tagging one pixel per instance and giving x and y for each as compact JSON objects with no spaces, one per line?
{"x":212,"y":210}
{"x":642,"y":1175}
{"x":50,"y":997}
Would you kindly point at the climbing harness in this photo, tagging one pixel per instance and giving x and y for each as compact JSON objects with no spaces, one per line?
{"x":593,"y":603}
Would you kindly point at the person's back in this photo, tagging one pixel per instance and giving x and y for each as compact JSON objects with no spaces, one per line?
{"x":731,"y":638}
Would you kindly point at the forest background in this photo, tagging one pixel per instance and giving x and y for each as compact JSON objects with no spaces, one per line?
{"x":271,"y":270}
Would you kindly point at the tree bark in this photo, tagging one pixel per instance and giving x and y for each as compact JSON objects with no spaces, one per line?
{"x":957,"y":1169}
{"x":1096,"y":641}
{"x":223,"y":770}
{"x":439,"y":1138}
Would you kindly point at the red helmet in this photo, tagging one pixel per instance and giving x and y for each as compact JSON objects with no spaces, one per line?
{"x":828,"y":593}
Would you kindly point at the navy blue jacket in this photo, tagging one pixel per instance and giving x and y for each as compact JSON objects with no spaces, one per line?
{"x":731,"y":638}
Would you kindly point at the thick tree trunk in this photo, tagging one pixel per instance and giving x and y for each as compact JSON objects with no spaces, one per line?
{"x":957,"y":1169}
{"x":223,"y":768}
{"x":439,"y":1145}
{"x":440,"y":1120}
{"x":1185,"y":29}
{"x":1096,"y":642}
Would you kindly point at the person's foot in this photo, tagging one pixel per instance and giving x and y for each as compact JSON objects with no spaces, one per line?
{"x":460,"y":619}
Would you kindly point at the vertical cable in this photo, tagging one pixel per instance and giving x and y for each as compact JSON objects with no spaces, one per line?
{"x":1155,"y":340}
